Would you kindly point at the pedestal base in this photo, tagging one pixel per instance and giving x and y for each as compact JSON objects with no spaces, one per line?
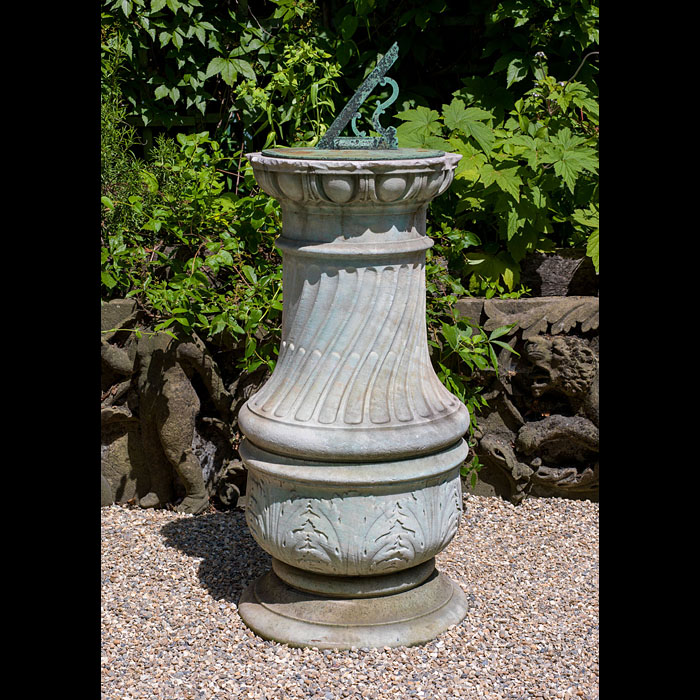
{"x":278,"y":612}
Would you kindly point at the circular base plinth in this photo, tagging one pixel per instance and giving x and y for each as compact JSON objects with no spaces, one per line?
{"x":278,"y":612}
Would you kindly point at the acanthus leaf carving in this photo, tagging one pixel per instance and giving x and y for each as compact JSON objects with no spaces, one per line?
{"x":325,"y":535}
{"x":553,"y":315}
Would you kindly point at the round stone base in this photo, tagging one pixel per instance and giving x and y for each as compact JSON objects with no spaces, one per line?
{"x":353,"y":586}
{"x":276,"y":611}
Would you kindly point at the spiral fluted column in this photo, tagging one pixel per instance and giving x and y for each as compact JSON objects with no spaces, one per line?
{"x":353,"y":446}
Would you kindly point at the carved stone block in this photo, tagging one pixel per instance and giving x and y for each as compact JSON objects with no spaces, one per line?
{"x":539,"y":434}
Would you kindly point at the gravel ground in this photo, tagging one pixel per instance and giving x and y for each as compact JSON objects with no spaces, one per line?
{"x":170,"y":627}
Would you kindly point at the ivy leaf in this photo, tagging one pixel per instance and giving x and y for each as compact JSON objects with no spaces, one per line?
{"x":470,"y":121}
{"x":162,"y":91}
{"x":348,"y":26}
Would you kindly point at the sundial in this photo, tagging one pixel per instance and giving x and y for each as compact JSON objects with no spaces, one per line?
{"x":353,"y":446}
{"x":333,"y":146}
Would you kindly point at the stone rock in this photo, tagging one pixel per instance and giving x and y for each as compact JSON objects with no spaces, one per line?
{"x":107,"y":497}
{"x":539,"y":434}
{"x":158,"y":447}
{"x":123,"y":462}
{"x":564,"y":272}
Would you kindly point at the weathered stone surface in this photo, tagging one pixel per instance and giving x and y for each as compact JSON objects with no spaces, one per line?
{"x":353,"y":445}
{"x":117,"y":313}
{"x":353,"y":519}
{"x":354,"y":378}
{"x":564,"y":272}
{"x":106,"y":492}
{"x":279,"y":612}
{"x":157,"y":448}
{"x":533,"y":316}
{"x":539,"y":434}
{"x":123,"y":462}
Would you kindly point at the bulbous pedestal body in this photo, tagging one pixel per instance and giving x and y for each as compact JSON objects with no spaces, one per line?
{"x":353,"y":446}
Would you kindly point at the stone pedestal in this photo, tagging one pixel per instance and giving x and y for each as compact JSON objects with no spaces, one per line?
{"x":353,"y":446}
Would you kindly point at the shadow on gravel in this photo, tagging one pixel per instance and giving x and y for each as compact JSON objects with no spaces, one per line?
{"x":231,"y":558}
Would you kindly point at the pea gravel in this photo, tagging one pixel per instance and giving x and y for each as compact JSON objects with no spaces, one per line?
{"x":170,"y":627}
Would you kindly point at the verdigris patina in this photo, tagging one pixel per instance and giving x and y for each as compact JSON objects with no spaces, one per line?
{"x":353,"y":446}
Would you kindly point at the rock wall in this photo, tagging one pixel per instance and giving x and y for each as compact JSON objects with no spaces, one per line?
{"x":539,"y":434}
{"x":168,"y":417}
{"x":169,"y":408}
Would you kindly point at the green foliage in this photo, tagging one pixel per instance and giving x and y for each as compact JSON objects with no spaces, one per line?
{"x":187,"y":232}
{"x":471,"y":468}
{"x":210,"y":60}
{"x":294,"y":107}
{"x":525,"y":183}
{"x":218,"y":61}
{"x":462,"y":352}
{"x":196,"y":256}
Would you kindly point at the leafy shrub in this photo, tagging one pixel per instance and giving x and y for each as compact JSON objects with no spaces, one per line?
{"x":526,"y":182}
{"x":187,"y":232}
{"x":195,"y":256}
{"x":205,"y":59}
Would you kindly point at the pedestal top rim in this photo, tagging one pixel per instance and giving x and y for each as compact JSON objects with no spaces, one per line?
{"x":368,"y":165}
{"x":350,"y":154}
